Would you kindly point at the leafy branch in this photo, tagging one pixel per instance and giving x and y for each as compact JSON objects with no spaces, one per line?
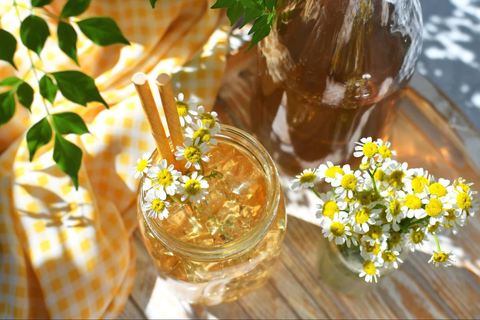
{"x":74,"y":85}
{"x":261,"y":12}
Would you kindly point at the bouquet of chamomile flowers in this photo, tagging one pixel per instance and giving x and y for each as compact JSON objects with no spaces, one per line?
{"x":163,"y":184}
{"x":384,"y":207}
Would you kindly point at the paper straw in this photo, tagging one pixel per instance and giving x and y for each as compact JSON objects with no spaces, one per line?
{"x":151,"y":113}
{"x":170,"y":107}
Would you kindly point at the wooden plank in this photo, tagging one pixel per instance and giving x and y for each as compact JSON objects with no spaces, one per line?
{"x":131,"y":311}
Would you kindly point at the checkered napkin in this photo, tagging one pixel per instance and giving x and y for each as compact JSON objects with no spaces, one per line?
{"x":67,"y":253}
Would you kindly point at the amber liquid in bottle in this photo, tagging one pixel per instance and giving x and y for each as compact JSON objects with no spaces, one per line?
{"x":331,"y":72}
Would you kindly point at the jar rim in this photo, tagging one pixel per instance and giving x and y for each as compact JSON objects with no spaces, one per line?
{"x":251,"y":146}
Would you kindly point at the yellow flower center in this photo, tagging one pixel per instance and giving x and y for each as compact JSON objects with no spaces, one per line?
{"x":142,"y":165}
{"x":434,"y":227}
{"x":193,"y":187}
{"x":349,"y":200}
{"x":419,"y":183}
{"x":369,"y":268}
{"x":158,"y":205}
{"x":375,"y":232}
{"x":165,"y":177}
{"x":463,"y":200}
{"x":182,"y":108}
{"x":395,"y":238}
{"x":417,"y":236}
{"x":337,"y":229}
{"x":193,"y":153}
{"x":379,"y":175}
{"x":370,"y":149}
{"x":462,"y":187}
{"x":375,"y":249}
{"x":385,"y":152}
{"x":389,"y":256}
{"x":308,"y":177}
{"x":208,"y":118}
{"x":437,"y":189}
{"x":364,"y":198}
{"x":332,"y":172}
{"x":440,"y":257}
{"x":413,"y":202}
{"x":395,"y":207}
{"x":329,"y":209}
{"x":349,"y":182}
{"x":434,"y":207}
{"x":203,"y":134}
{"x":395,"y":178}
{"x":450,"y":214}
{"x":362,"y":216}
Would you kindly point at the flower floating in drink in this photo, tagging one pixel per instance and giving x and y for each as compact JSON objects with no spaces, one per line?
{"x":210,"y":206}
{"x":385,"y":208}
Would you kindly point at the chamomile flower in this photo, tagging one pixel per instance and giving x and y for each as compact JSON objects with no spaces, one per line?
{"x":415,"y":239}
{"x":193,"y":153}
{"x":305,"y":180}
{"x":366,"y":148}
{"x":451,"y":219}
{"x":370,"y":271}
{"x":165,"y":177}
{"x":464,"y":203}
{"x":329,"y":171}
{"x":396,"y":240}
{"x":394,"y":213}
{"x":186,"y":109}
{"x":363,"y":218}
{"x":384,"y":150}
{"x":416,"y":181}
{"x":337,"y":229}
{"x":193,"y":188}
{"x":438,"y":189}
{"x":209,"y":117}
{"x":441,"y":258}
{"x":389,"y":258}
{"x":372,"y":251}
{"x":203,"y":131}
{"x":347,"y":183}
{"x":460,"y":185}
{"x":328,"y":206}
{"x":412,"y":207}
{"x":376,"y":233}
{"x":155,"y":205}
{"x":434,"y":208}
{"x":396,"y":173}
{"x":142,"y":165}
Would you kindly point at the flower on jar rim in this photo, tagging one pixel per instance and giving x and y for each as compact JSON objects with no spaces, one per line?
{"x":389,"y":258}
{"x":193,"y":188}
{"x":142,"y":166}
{"x":305,"y":180}
{"x":155,"y":205}
{"x":370,"y":271}
{"x":209,"y":117}
{"x":186,"y":109}
{"x":164,"y":177}
{"x":193,"y":153}
{"x":202,"y":131}
{"x":442,"y":258}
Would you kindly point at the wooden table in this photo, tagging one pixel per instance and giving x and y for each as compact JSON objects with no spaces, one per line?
{"x":430,"y":133}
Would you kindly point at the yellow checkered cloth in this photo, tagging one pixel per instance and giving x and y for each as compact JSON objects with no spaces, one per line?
{"x":67,"y":253}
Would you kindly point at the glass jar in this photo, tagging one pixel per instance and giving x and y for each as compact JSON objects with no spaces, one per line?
{"x":340,"y":268}
{"x":207,"y":257}
{"x":329,"y":73}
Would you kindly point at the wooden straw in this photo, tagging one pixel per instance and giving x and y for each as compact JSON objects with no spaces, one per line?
{"x":170,"y":107}
{"x":151,"y":113}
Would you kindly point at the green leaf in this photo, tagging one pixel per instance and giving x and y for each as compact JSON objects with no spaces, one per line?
{"x":271,"y":4}
{"x":8,"y":47}
{"x":152,"y":3}
{"x":38,"y":135}
{"x":251,"y":14}
{"x":74,"y":8}
{"x":68,"y":157}
{"x":234,"y":13}
{"x":69,"y":122}
{"x":252,"y":4}
{"x":259,"y":35}
{"x":78,"y":87}
{"x":67,"y":40}
{"x":224,"y":4}
{"x":34,"y":32}
{"x":40,"y":3}
{"x":48,"y":89}
{"x":102,"y":31}
{"x":10,"y":81}
{"x":25,"y":95}
{"x":259,"y":23}
{"x":7,"y":107}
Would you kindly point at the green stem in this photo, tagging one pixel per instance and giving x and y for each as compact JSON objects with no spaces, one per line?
{"x":203,"y":168}
{"x":438,"y":243}
{"x":374,"y":184}
{"x":316,"y":193}
{"x":420,"y":221}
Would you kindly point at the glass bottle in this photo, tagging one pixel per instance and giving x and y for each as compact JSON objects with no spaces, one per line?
{"x":331,"y":72}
